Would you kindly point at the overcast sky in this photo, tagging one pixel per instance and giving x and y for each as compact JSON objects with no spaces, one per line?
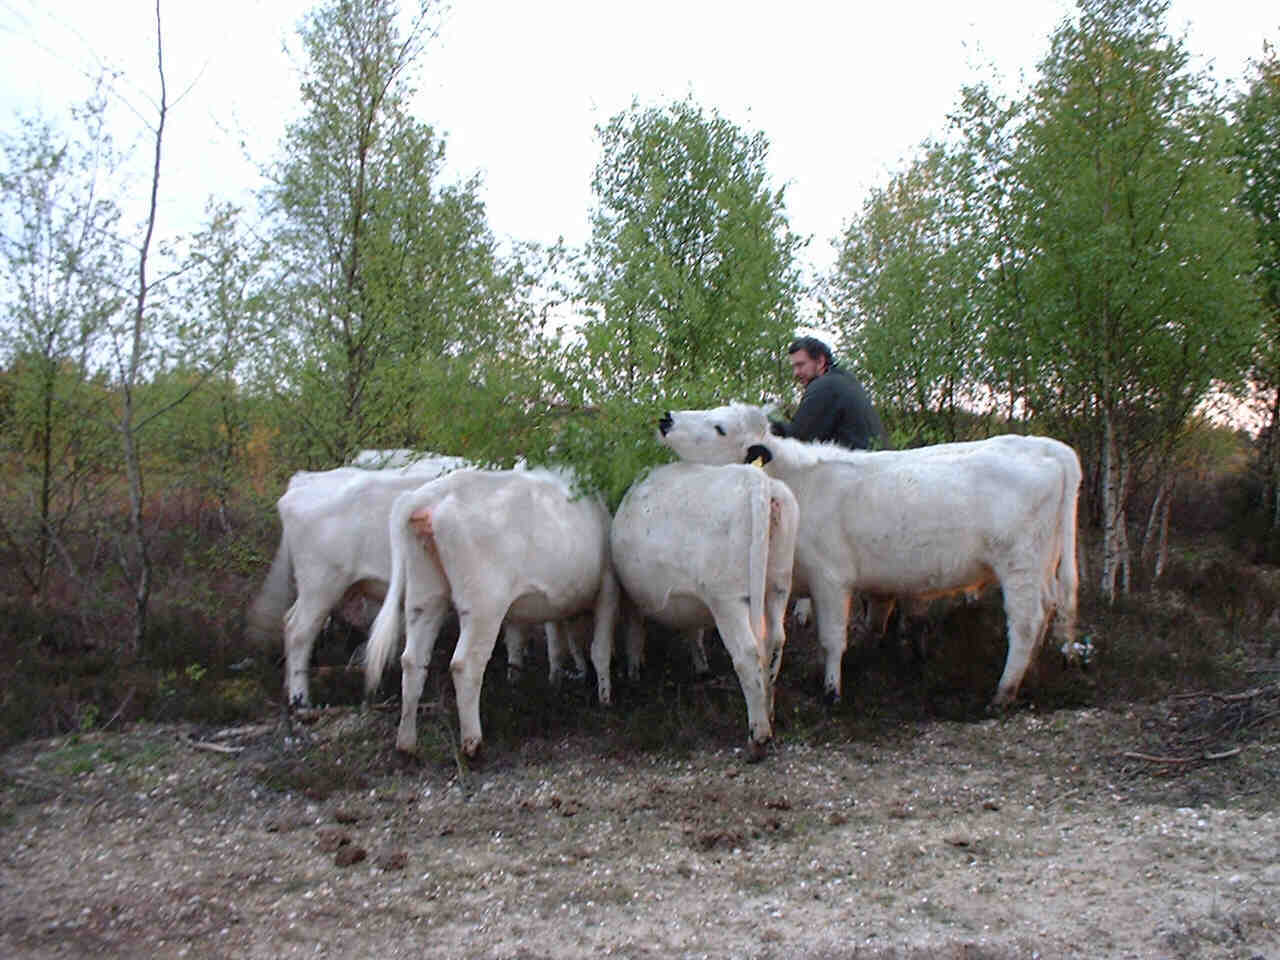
{"x":843,"y":90}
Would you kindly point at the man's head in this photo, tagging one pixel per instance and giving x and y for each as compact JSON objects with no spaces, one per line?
{"x":810,"y":359}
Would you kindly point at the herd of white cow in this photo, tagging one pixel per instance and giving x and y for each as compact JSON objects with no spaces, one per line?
{"x":724,"y":538}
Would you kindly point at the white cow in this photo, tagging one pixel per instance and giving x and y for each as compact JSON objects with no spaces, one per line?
{"x":335,"y":554}
{"x":523,"y":546}
{"x":697,"y":546}
{"x":916,"y":523}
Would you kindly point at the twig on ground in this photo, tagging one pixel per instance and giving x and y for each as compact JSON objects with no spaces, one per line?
{"x":1221,"y":697}
{"x":1134,"y":755}
{"x":1223,"y":755}
{"x":212,"y":747}
{"x":1257,"y":720}
{"x":119,"y":710}
{"x":253,"y":730}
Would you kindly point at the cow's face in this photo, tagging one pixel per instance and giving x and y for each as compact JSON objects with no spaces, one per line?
{"x":719,"y":436}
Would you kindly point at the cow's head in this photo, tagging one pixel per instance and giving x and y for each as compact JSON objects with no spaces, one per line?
{"x":718,"y":436}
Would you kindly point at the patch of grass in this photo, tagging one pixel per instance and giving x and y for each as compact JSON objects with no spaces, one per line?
{"x":1152,"y":645}
{"x":73,"y":758}
{"x":345,"y":759}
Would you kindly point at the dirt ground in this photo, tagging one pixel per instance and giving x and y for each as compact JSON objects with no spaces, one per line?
{"x":1077,"y":833}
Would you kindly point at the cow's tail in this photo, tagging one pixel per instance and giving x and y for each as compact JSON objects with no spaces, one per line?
{"x":264,"y":620}
{"x":385,"y":630}
{"x":1067,"y":579}
{"x":758,"y":565}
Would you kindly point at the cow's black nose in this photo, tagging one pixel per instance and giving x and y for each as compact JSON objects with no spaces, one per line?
{"x":665,"y":423}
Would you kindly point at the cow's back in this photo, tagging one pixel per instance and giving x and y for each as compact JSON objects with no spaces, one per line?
{"x":525,"y":532}
{"x":927,"y":521}
{"x":684,"y":532}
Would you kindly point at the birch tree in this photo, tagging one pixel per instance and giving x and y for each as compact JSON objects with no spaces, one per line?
{"x":1138,"y":259}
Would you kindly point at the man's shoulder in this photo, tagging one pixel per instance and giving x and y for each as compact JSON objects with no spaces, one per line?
{"x":835,"y":381}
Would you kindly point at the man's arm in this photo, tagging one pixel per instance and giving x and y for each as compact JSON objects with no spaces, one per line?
{"x":815,"y":418}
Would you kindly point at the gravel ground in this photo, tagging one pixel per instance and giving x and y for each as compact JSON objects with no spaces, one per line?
{"x":1029,"y":836}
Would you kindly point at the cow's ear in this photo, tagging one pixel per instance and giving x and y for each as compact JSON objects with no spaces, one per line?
{"x":758,"y":451}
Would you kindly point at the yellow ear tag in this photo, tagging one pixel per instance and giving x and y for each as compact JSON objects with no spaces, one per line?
{"x":758,"y":462}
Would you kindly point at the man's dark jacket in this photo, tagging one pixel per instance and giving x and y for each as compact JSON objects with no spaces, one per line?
{"x":835,"y":407}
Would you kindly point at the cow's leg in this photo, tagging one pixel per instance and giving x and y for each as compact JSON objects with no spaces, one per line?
{"x":879,"y":610}
{"x":565,"y":642}
{"x":831,"y":606}
{"x":577,"y":643}
{"x":914,"y":628}
{"x":733,"y":620}
{"x":557,"y":643}
{"x":775,"y":611}
{"x":516,"y":641}
{"x":478,"y":633}
{"x":636,"y":637}
{"x":1027,"y":618}
{"x":301,"y":625}
{"x":605,"y":618}
{"x":698,"y":652}
{"x":424,"y":618}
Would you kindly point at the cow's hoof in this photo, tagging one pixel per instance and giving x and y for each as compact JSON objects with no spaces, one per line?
{"x":999,"y":707}
{"x":757,"y":750}
{"x":472,"y":747}
{"x":405,"y":760}
{"x":831,"y":697}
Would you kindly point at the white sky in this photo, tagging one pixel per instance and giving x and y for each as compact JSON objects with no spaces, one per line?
{"x":843,"y":90}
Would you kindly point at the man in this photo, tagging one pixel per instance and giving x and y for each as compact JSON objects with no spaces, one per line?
{"x":834,"y":407}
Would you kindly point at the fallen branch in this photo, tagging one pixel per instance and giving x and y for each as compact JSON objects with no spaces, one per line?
{"x":123,"y":703}
{"x":1220,"y":697}
{"x":255,"y":730}
{"x":1246,"y":695}
{"x":312,"y":714}
{"x":1262,"y":719}
{"x":212,"y":747}
{"x":1223,"y":755}
{"x":1133,"y":755}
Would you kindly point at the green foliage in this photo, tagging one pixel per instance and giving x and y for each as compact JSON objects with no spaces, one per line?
{"x":1074,"y":258}
{"x":1136,"y":293}
{"x":397,"y":312}
{"x":693,"y":275}
{"x":58,"y":276}
{"x":1257,"y":151}
{"x":1257,"y":156}
{"x":1071,"y":251}
{"x":903,"y":298}
{"x":691,"y":285}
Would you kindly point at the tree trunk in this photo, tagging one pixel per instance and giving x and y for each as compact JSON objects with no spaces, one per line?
{"x":1273,"y":461}
{"x":128,"y":424}
{"x":1155,"y":541}
{"x":1115,"y":539}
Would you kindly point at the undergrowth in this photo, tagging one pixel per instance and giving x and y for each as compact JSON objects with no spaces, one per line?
{"x":1210,"y":620}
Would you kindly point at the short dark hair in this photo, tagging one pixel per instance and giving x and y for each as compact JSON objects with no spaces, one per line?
{"x":814,"y":347}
